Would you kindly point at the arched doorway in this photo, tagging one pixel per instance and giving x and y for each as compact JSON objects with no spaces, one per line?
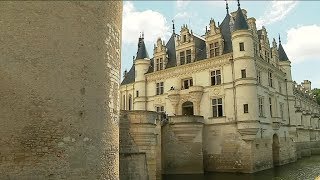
{"x":187,"y":108}
{"x":275,"y":150}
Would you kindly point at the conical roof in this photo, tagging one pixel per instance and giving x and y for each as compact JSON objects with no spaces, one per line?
{"x":240,"y":22}
{"x":282,"y":54}
{"x":226,"y":34}
{"x":142,"y":51}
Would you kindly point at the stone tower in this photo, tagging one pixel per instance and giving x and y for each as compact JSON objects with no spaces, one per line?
{"x":142,"y":63}
{"x":59,"y":80}
{"x":245,"y":77}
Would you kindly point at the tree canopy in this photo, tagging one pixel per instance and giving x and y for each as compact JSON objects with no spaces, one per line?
{"x":317,"y":93}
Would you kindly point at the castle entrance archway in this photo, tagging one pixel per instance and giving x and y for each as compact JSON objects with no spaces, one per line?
{"x":187,"y":108}
{"x":275,"y":150}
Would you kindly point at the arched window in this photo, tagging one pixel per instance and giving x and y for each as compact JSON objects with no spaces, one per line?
{"x":187,"y":108}
{"x":130,"y":102}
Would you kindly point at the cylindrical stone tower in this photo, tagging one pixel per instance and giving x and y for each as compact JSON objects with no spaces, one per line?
{"x":59,"y":80}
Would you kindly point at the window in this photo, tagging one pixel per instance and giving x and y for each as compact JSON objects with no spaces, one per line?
{"x":215,"y":77}
{"x":245,"y":108}
{"x":159,"y":88}
{"x":217,"y":110}
{"x":241,"y":45}
{"x":282,"y":111}
{"x":160,"y":109}
{"x":130,"y":102}
{"x":182,"y":58}
{"x":188,"y":54}
{"x":270,"y":79}
{"x":159,"y":64}
{"x":186,"y":83}
{"x":280,"y":86}
{"x":137,"y":93}
{"x":243,"y":73}
{"x":270,"y":106}
{"x":184,"y":38}
{"x":259,"y":77}
{"x":214,"y":49}
{"x":124,"y":102}
{"x":261,"y":108}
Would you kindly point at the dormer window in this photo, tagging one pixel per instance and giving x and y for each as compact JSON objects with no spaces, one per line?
{"x":159,"y":64}
{"x":182,"y":58}
{"x":184,"y":38}
{"x":188,"y":53}
{"x":214,"y":49}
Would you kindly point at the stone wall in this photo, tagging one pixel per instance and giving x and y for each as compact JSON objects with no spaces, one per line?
{"x":182,"y":145}
{"x":140,"y":134}
{"x":225,"y":151}
{"x":59,"y":80}
{"x":133,"y":166}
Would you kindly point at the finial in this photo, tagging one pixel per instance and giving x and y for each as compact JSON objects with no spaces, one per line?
{"x":173,"y":28}
{"x":227,"y":6}
{"x":279,"y":39}
{"x":142,"y":35}
{"x":206,"y":29}
{"x":238,"y":3}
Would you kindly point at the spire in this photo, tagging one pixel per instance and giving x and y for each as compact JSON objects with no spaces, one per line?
{"x":173,"y":28}
{"x":282,"y":54}
{"x":142,"y":51}
{"x":279,"y":39}
{"x":240,"y":22}
{"x":227,"y":6}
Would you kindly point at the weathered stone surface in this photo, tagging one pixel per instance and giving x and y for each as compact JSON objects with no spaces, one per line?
{"x":140,"y":135}
{"x":182,"y":145}
{"x":59,"y":80}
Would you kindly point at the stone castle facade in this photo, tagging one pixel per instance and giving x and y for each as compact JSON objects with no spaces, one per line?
{"x":230,"y":101}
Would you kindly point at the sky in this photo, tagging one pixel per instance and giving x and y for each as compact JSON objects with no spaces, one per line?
{"x":297,"y":22}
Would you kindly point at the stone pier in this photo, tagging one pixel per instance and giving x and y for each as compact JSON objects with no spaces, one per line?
{"x":182,"y":145}
{"x":59,"y":98}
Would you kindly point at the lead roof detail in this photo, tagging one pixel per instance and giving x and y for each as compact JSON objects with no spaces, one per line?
{"x":282,"y":54}
{"x":240,"y":22}
{"x":142,"y":51}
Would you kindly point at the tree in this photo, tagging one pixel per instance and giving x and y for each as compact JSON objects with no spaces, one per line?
{"x":317,"y":93}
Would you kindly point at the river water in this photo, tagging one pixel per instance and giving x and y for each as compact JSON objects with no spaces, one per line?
{"x":307,"y":168}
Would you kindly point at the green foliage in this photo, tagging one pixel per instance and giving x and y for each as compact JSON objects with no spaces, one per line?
{"x":317,"y":93}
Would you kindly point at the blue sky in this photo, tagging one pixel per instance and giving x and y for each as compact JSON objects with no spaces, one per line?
{"x":297,"y":22}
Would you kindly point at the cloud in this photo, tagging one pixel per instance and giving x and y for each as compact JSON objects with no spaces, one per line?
{"x":182,"y":15}
{"x":220,"y":4}
{"x":181,"y":4}
{"x":152,"y":23}
{"x":303,"y":43}
{"x":276,"y":12}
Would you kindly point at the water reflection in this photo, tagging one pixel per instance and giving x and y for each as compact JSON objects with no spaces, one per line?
{"x":304,"y":169}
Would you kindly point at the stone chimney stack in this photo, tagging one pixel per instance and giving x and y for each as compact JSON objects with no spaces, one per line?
{"x":306,"y":84}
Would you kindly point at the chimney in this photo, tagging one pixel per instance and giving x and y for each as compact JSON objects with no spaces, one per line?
{"x":307,"y":85}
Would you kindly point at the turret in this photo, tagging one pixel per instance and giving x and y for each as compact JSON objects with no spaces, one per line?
{"x":285,"y":64}
{"x":244,"y":76}
{"x":142,"y":63}
{"x":284,"y":61}
{"x":242,"y":40}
